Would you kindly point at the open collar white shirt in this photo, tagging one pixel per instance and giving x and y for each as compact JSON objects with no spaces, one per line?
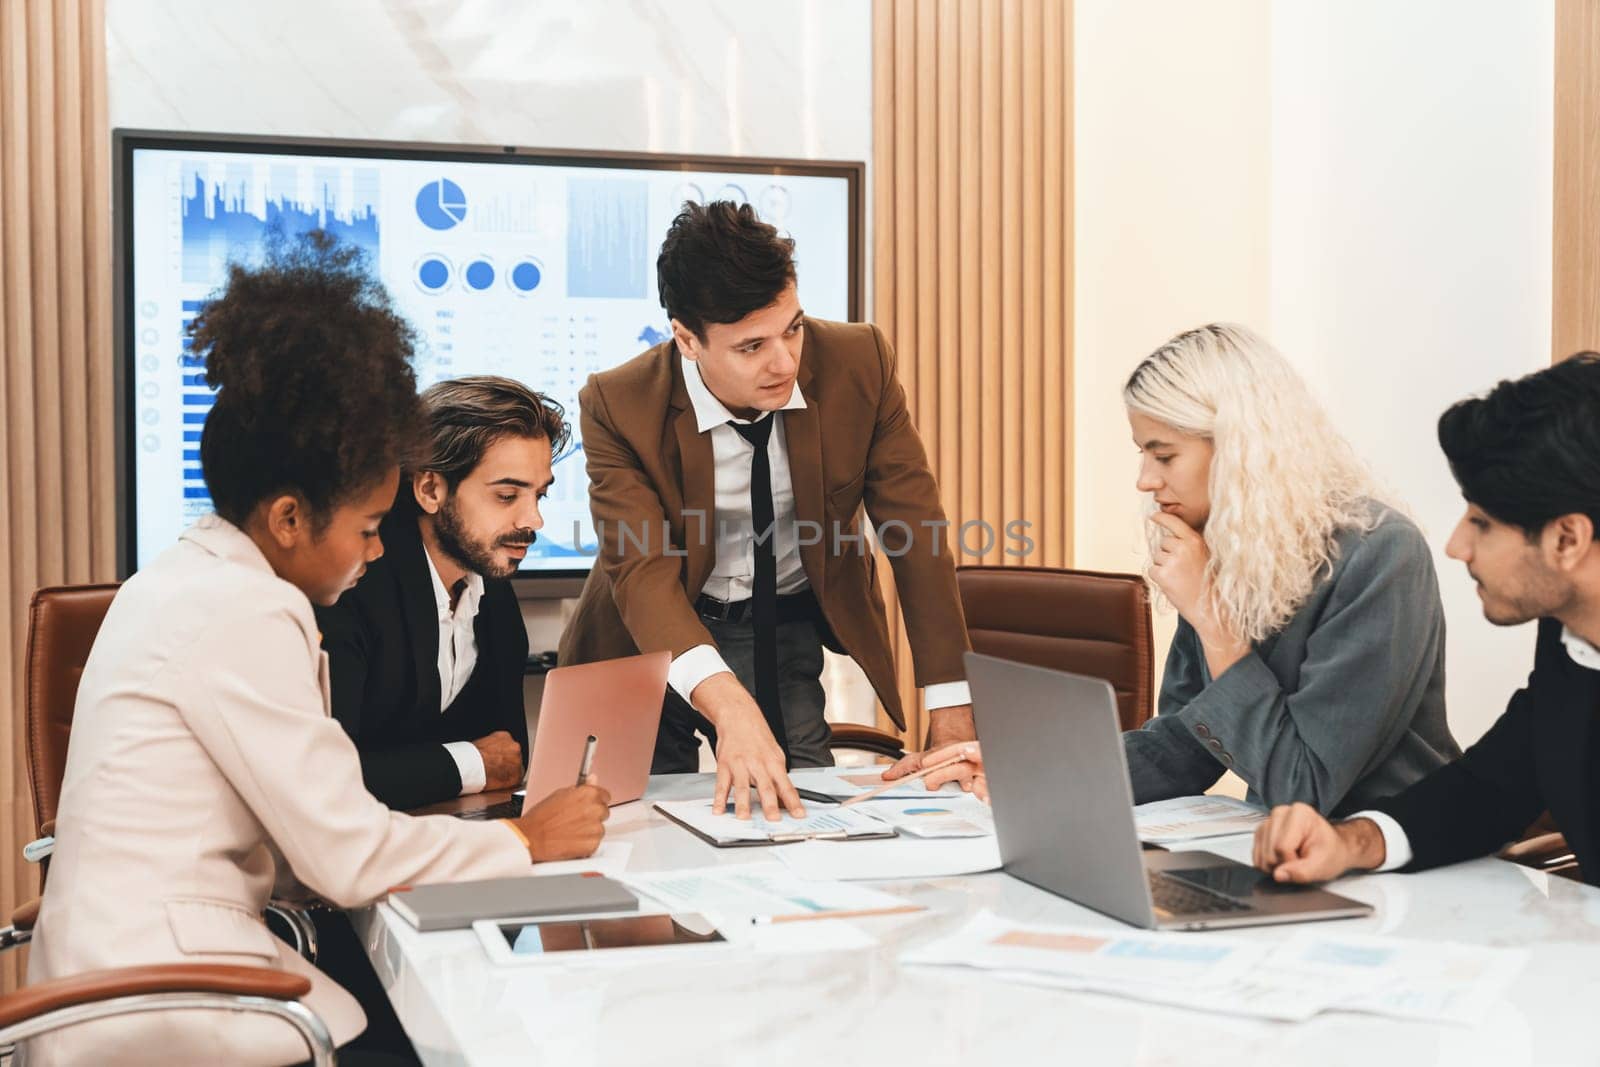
{"x":733,"y":570}
{"x":458,"y":657}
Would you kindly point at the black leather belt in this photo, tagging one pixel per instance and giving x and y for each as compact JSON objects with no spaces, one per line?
{"x":795,"y":607}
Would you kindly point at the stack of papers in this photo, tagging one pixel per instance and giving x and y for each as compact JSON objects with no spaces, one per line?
{"x":1308,"y":973}
{"x":1167,"y":822}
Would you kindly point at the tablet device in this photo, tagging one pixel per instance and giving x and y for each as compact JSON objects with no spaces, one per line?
{"x":575,"y":940}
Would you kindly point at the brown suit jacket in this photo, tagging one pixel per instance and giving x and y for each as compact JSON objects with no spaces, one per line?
{"x":852,"y":444}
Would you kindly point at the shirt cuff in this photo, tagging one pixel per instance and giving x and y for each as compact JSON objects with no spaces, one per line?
{"x":946,"y":695}
{"x":469,"y":761}
{"x":1396,"y":845}
{"x":693,"y":667}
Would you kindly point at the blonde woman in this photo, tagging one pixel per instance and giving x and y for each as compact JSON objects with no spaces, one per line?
{"x":1309,"y":654}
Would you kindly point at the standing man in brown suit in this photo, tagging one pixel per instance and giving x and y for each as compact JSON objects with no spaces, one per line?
{"x":728,"y":467}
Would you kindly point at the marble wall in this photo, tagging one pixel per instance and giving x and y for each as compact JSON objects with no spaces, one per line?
{"x":778,"y":78}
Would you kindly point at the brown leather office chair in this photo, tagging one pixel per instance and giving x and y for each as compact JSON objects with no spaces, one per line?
{"x":851,"y":737}
{"x":62,"y":624}
{"x":1087,"y":622}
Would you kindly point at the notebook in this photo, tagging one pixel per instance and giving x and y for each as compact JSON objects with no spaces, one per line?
{"x":726,"y":831}
{"x":456,"y":905}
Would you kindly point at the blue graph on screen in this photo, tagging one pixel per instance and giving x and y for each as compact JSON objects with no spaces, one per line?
{"x":441,"y":205}
{"x":227,"y":219}
{"x":607,"y":240}
{"x":198,"y":397}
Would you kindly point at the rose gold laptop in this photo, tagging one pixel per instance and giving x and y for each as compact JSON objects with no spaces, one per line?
{"x":618,"y":702}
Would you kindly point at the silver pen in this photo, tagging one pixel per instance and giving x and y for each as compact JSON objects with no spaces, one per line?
{"x":587,"y":765}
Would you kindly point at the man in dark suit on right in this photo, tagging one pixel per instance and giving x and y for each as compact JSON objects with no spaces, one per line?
{"x":1527,"y":458}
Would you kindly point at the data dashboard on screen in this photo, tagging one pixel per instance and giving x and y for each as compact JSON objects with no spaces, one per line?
{"x":534,"y":265}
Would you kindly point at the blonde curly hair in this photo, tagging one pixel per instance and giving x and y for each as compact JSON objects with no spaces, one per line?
{"x":1283,"y":481}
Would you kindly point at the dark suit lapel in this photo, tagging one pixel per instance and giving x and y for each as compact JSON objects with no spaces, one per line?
{"x":697,"y":472}
{"x":802,"y":432}
{"x":421,"y":622}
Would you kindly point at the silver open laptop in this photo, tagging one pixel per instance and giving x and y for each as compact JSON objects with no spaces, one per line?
{"x":1063,"y":811}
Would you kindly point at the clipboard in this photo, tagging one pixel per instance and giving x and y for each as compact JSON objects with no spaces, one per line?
{"x":714,"y":841}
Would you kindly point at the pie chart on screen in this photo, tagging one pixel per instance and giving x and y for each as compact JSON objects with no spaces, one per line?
{"x":441,"y":205}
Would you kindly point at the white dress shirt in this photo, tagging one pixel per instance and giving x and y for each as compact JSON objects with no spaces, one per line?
{"x":733,"y":571}
{"x":458,"y":655}
{"x":1396,"y":845}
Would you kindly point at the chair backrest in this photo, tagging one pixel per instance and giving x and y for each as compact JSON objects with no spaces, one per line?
{"x":1085,"y":622}
{"x":62,"y":623}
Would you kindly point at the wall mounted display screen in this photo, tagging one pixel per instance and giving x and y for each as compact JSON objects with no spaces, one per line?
{"x":531,"y":264}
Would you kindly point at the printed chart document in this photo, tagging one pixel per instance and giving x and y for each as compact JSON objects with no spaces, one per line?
{"x":725,"y":830}
{"x":961,"y":815}
{"x":902,"y":857}
{"x":1087,"y":958}
{"x":1435,"y":980}
{"x":844,"y":782}
{"x":756,"y":892}
{"x":766,"y":907}
{"x":1309,"y":973}
{"x":1165,"y":822}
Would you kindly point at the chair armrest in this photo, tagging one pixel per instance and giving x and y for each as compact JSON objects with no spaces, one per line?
{"x":299,"y":929}
{"x":26,"y":914}
{"x":865,"y":739}
{"x":92,"y":986}
{"x":1542,"y":851}
{"x":39,"y":849}
{"x":20,"y":932}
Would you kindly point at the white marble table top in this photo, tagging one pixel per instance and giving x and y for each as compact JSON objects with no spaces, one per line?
{"x":832,"y":1010}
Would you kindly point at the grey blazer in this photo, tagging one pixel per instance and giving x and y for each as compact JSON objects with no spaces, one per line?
{"x":1342,"y":706}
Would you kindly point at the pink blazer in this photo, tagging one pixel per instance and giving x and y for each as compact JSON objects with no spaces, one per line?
{"x":203,"y":770}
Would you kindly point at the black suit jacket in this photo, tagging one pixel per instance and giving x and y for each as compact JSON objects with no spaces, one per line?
{"x":1539,"y":755}
{"x":382,"y":640}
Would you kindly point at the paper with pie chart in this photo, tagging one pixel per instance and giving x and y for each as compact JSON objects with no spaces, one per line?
{"x":961,"y":815}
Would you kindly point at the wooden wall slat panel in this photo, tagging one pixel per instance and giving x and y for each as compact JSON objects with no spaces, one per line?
{"x":970,"y":245}
{"x":1575,"y":315}
{"x":987,"y":431}
{"x":57,"y":459}
{"x":972,"y":183}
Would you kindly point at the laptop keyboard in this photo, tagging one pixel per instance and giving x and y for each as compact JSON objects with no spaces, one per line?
{"x":505,"y":809}
{"x":1180,"y":898}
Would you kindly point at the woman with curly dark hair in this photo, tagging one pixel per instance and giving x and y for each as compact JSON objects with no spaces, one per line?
{"x":204,"y":768}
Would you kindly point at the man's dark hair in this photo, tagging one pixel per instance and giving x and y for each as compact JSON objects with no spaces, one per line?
{"x":316,"y":395}
{"x":1529,"y":452}
{"x":465,"y":416}
{"x":719,"y":263}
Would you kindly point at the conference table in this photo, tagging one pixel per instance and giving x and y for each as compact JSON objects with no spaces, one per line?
{"x":832,"y":1009}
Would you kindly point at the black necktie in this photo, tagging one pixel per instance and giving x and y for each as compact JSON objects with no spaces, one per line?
{"x":764,"y":611}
